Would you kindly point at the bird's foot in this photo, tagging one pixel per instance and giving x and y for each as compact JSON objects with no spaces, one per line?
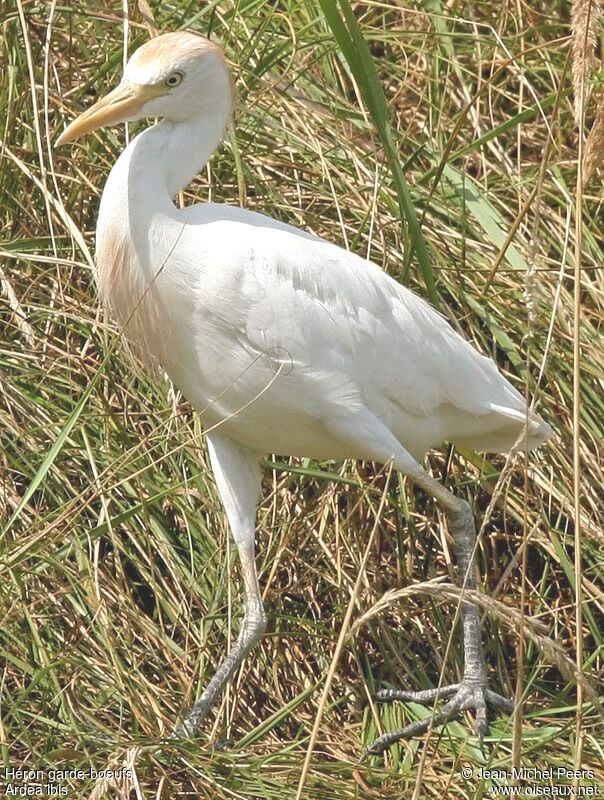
{"x":462,"y":696}
{"x":221,"y":745}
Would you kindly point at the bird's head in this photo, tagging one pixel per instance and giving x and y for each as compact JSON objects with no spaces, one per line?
{"x":175,"y":76}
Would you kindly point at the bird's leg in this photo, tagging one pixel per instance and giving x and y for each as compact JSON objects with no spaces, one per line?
{"x":252,"y":628}
{"x":238,"y":479}
{"x":472,"y":691}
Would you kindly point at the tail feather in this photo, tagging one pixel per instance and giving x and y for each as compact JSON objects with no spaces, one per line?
{"x":514,"y":432}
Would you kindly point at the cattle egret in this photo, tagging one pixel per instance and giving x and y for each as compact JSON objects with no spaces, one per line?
{"x":284,"y":342}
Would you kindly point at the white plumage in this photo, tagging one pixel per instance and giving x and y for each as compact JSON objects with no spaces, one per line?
{"x":284,"y":342}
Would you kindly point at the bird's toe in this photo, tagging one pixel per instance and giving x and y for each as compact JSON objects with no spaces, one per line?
{"x":460,"y":697}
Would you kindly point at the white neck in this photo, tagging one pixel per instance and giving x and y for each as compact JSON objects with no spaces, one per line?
{"x":138,"y":223}
{"x":157,"y":164}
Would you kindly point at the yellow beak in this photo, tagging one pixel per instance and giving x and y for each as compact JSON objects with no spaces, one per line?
{"x":125,"y":102}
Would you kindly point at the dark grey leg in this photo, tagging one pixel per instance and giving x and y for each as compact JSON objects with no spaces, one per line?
{"x":472,"y":692}
{"x":237,"y":473}
{"x":252,"y":628}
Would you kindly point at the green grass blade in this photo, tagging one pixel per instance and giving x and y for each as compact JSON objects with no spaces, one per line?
{"x":56,"y":447}
{"x":348,"y":34}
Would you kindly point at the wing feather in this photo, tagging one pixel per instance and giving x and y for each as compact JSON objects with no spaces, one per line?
{"x":347,"y":334}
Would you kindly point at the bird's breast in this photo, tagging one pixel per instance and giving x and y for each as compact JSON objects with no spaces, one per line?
{"x":130,"y":293}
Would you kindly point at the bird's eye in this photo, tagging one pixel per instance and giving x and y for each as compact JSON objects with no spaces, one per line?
{"x":174,"y":79}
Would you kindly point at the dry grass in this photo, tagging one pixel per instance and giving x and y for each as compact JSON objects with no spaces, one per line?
{"x":117,"y":601}
{"x":585,"y":21}
{"x":593,"y":156}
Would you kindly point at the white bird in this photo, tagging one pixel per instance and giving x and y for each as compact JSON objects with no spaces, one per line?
{"x":284,"y":342}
